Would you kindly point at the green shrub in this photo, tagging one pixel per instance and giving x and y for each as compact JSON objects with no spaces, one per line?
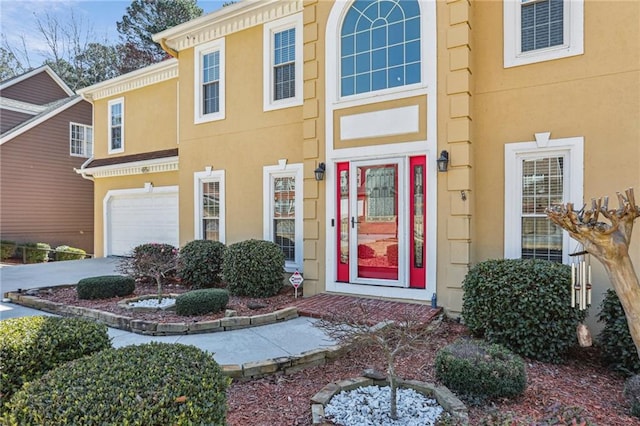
{"x":150,"y":384}
{"x":105,"y":287}
{"x":7,"y":249}
{"x":523,"y":305}
{"x":200,"y":302}
{"x":200,"y":263}
{"x":34,"y":252}
{"x":481,"y":370}
{"x":632,"y":394}
{"x":70,"y":253}
{"x":31,"y":346}
{"x":253,"y":268}
{"x":618,"y":349}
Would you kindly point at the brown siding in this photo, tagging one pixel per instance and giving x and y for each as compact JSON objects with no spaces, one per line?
{"x":9,"y":119}
{"x":39,"y":89}
{"x":42,"y":198}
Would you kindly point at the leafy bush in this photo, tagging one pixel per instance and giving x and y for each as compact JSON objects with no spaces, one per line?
{"x":150,"y":384}
{"x":153,"y":261}
{"x":105,"y":287}
{"x":31,"y":346}
{"x":34,"y":252}
{"x":200,"y":263}
{"x":619,"y":351}
{"x":632,"y":394}
{"x":7,"y":249}
{"x":253,"y":268}
{"x":481,"y":370}
{"x":69,"y":253}
{"x":204,"y":301}
{"x":523,"y":305}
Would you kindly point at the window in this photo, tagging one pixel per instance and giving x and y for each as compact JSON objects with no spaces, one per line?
{"x":542,"y":30}
{"x":116,"y":126}
{"x":209,"y":205}
{"x":283,"y":212}
{"x":283,"y":63}
{"x":209,"y":82}
{"x":542,"y":175}
{"x":81,"y":140}
{"x":380,"y":45}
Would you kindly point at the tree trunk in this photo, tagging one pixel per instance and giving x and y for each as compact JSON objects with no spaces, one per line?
{"x":393,"y":385}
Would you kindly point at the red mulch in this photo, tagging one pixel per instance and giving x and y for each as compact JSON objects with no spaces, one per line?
{"x":284,"y":400}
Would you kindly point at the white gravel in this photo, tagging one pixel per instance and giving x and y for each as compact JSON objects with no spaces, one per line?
{"x":165,"y":302}
{"x":369,"y":406}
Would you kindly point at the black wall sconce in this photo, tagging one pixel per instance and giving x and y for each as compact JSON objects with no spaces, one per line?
{"x":319,"y":172}
{"x":443,"y":161}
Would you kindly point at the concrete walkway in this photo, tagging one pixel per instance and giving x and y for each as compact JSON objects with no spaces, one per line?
{"x":284,"y":339}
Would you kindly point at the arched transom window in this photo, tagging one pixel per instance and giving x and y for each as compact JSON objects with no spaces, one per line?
{"x":379,"y":46}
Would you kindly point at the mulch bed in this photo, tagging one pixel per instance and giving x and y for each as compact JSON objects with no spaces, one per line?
{"x":285,"y":400}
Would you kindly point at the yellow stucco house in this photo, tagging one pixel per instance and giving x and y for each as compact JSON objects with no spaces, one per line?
{"x":321,"y":125}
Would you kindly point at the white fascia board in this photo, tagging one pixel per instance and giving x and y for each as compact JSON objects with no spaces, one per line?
{"x":135,"y":166}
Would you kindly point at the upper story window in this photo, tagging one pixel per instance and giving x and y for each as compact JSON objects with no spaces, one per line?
{"x":209,"y":81}
{"x":542,"y":30}
{"x":283,"y":63}
{"x":380,"y":46}
{"x":80,"y":140}
{"x":116,"y":125}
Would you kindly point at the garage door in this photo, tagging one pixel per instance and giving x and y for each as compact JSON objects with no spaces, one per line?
{"x":137,"y":218}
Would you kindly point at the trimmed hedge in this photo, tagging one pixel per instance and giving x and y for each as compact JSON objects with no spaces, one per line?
{"x":7,"y":249}
{"x":150,"y":384}
{"x":619,"y":351}
{"x":31,"y":346}
{"x":481,"y":370}
{"x":34,"y":252}
{"x":523,"y":305}
{"x":200,"y":263}
{"x":70,"y":253}
{"x":105,"y":287}
{"x":632,"y":394}
{"x":200,"y":302}
{"x":253,"y":268}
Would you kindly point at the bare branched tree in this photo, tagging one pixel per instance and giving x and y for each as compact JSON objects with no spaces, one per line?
{"x":609,"y":243}
{"x":393,"y":337}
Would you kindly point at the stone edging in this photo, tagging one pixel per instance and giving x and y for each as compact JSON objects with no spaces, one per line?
{"x":442,"y":394}
{"x":152,"y":328}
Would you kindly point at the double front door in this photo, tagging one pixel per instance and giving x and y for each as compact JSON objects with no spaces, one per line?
{"x":381,"y":222}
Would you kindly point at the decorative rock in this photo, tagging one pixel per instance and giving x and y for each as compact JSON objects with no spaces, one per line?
{"x":256,"y":305}
{"x":373,"y":374}
{"x":230,"y":313}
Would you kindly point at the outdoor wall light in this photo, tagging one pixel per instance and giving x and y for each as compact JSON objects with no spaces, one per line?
{"x":443,"y":161}
{"x":319,"y":172}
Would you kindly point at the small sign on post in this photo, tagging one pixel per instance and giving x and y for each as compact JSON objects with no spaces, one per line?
{"x":296,"y":279}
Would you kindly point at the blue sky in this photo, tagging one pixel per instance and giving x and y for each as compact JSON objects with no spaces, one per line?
{"x":18,"y":19}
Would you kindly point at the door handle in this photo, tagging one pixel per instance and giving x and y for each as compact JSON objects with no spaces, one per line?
{"x":353,"y":222}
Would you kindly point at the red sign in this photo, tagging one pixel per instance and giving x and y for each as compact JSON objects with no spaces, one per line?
{"x":296,"y":279}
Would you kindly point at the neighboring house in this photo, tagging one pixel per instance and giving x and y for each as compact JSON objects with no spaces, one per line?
{"x":533,"y":102}
{"x":46,"y":133}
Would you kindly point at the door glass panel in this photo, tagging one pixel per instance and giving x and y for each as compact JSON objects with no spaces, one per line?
{"x":418,"y":216}
{"x":344,"y":217}
{"x":377,"y":220}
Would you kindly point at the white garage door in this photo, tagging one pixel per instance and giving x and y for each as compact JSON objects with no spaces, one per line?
{"x":135,"y":218}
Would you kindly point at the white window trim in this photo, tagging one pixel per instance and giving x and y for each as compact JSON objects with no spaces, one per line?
{"x":84,"y":154}
{"x":198,"y":179}
{"x":573,"y":35}
{"x":200,"y":51}
{"x":269,"y":173}
{"x":572,"y":149}
{"x":269,"y":29}
{"x":110,"y":104}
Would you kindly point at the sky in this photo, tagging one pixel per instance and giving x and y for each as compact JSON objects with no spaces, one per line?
{"x":18,"y":19}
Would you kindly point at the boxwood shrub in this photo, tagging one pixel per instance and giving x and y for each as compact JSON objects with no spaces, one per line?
{"x":524,"y":305}
{"x":203,"y":301}
{"x":31,"y":346}
{"x":150,"y":384}
{"x":7,"y":249}
{"x":200,"y":263}
{"x":105,"y":287}
{"x":34,"y":252}
{"x":618,"y":349}
{"x":631,"y":393}
{"x":69,"y":253}
{"x":253,"y":268}
{"x":481,"y":371}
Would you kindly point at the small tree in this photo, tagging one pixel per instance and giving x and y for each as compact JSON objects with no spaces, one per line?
{"x":393,"y":338}
{"x":154,"y":261}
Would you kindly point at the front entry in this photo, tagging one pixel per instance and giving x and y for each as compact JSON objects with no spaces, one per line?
{"x":381,"y":222}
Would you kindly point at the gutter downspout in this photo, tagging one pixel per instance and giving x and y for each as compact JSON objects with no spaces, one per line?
{"x":81,"y":172}
{"x":170,"y":51}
